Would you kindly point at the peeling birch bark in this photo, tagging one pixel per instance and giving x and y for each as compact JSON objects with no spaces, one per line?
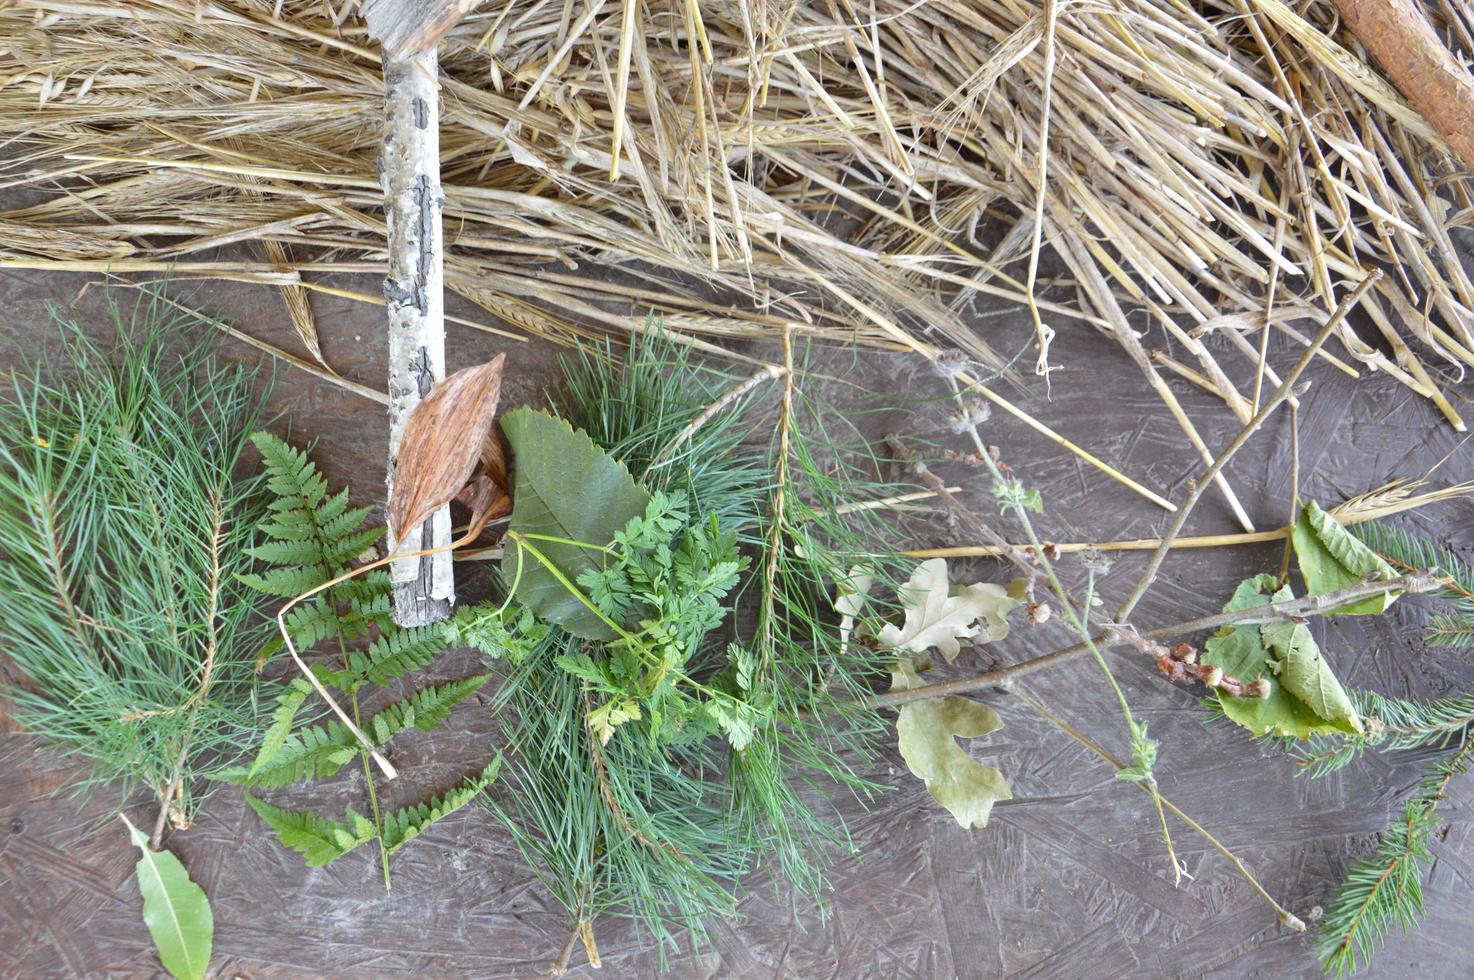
{"x":409,"y":170}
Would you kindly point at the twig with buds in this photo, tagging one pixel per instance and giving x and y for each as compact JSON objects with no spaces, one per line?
{"x":1293,"y":610}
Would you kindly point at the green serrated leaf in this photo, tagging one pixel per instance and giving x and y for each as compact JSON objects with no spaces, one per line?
{"x":175,"y":910}
{"x":928,"y":731}
{"x":565,"y":487}
{"x":1330,"y":558}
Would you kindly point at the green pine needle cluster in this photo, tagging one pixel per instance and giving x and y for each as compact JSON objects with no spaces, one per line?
{"x":126,"y":528}
{"x":313,"y":536}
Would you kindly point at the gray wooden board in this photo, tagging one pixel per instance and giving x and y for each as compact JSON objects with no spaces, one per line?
{"x":1069,"y":881}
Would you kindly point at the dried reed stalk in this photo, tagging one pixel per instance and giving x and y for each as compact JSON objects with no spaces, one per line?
{"x":851,"y":174}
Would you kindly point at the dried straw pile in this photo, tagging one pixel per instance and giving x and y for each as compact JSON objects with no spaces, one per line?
{"x":857,"y":172}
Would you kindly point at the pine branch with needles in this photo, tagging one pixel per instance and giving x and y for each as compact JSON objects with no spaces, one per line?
{"x":126,"y":527}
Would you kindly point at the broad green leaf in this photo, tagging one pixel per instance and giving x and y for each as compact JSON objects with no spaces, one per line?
{"x":1303,"y":672}
{"x":928,"y":733}
{"x":938,"y":615}
{"x":1304,"y":697}
{"x":175,"y":910}
{"x":1240,"y":652}
{"x":1330,"y":558}
{"x":564,"y":487}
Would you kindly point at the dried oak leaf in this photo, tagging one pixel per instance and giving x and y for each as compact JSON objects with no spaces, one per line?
{"x":927,"y":733}
{"x":938,"y":615}
{"x":445,"y":438}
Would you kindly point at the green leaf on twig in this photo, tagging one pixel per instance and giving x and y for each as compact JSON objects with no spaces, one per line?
{"x":1330,"y":559}
{"x":1305,"y":698}
{"x":175,"y":910}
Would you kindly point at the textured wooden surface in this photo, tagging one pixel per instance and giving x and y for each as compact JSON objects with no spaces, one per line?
{"x":1068,"y":881}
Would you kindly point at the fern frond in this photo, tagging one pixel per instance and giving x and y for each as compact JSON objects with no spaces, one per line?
{"x":291,"y":475}
{"x":301,"y":551}
{"x":321,"y":750}
{"x":1386,"y":889}
{"x":317,"y":839}
{"x":425,"y":709}
{"x":309,"y":753}
{"x":286,"y":582}
{"x":311,"y":622}
{"x":403,"y":826}
{"x":283,"y":717}
{"x":394,"y":654}
{"x":314,"y":536}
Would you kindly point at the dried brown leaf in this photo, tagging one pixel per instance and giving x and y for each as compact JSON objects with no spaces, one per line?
{"x":444,"y":439}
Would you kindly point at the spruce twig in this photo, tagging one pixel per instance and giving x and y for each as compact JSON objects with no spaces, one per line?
{"x":1385,"y":890}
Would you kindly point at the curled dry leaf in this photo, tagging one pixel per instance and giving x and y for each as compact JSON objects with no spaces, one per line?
{"x":445,"y":438}
{"x":849,"y":601}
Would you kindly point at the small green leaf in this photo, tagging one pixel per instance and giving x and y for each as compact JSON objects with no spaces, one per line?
{"x":928,"y":732}
{"x":608,"y":716}
{"x":565,"y":487}
{"x":175,"y":910}
{"x":1330,"y":559}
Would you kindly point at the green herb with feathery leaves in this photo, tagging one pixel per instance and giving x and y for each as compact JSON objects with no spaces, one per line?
{"x":647,"y":773}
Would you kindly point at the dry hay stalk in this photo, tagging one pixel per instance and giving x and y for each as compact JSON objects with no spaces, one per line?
{"x":845,"y":172}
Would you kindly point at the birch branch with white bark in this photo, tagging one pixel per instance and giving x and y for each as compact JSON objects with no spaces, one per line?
{"x":409,"y":170}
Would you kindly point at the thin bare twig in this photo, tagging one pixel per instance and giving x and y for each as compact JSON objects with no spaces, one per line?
{"x":1195,"y":491}
{"x":1285,"y":916}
